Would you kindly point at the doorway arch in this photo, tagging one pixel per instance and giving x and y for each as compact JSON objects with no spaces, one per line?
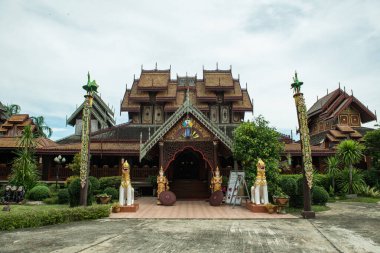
{"x":189,"y":171}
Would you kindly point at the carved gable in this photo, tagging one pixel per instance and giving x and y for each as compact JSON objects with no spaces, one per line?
{"x":197,"y":131}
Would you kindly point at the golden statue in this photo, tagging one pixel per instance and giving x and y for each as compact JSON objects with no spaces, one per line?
{"x":259,"y":191}
{"x":162,"y":184}
{"x":126,"y":191}
{"x":216,"y":181}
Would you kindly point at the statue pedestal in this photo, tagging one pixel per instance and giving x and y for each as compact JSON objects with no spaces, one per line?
{"x":129,"y":209}
{"x":257,"y":208}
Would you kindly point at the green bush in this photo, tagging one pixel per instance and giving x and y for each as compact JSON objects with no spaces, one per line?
{"x":74,"y":192}
{"x":63,"y":196}
{"x":113,"y":192}
{"x":51,"y":201}
{"x":53,"y":188}
{"x":94,"y":183}
{"x":39,"y":193}
{"x":319,"y":195}
{"x":322,"y":180}
{"x":371,"y":177}
{"x":36,"y":218}
{"x":289,"y":185}
{"x":343,"y":180}
{"x":113,"y":182}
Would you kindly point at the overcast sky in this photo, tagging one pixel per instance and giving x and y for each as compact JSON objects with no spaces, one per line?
{"x":47,"y":47}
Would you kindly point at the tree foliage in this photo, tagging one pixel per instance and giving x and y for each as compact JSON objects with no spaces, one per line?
{"x":12,"y":109}
{"x":24,"y":167}
{"x":254,"y":140}
{"x":333,"y":169}
{"x":74,"y":166}
{"x":372,"y":145}
{"x":350,"y":152}
{"x":43,"y":130}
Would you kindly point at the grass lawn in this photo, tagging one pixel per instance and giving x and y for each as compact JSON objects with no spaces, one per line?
{"x":315,"y":208}
{"x":361,"y":199}
{"x":31,"y":208}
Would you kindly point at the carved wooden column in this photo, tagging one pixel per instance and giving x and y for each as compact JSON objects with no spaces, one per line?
{"x":161,"y":156}
{"x":216,"y":162}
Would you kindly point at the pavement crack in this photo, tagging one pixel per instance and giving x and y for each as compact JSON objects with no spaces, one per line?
{"x":324,"y":236}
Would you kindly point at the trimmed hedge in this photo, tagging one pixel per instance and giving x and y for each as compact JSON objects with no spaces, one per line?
{"x":39,"y":192}
{"x":289,"y":185}
{"x":74,"y":192}
{"x":319,"y":195}
{"x":113,"y":192}
{"x":113,"y":182}
{"x":36,"y":218}
{"x":63,"y":196}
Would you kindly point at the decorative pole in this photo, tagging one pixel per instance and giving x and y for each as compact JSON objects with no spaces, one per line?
{"x":90,"y":88}
{"x":307,"y":171}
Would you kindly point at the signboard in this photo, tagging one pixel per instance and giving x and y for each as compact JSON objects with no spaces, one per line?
{"x":235,"y":182}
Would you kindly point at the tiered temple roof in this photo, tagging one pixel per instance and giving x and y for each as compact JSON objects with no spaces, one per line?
{"x":172,"y":91}
{"x":14,"y":126}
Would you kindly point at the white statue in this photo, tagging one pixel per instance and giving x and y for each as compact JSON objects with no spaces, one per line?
{"x":259,"y":191}
{"x":126,"y":191}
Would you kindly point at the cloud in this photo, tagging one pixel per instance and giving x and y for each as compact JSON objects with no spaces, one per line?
{"x":47,"y":47}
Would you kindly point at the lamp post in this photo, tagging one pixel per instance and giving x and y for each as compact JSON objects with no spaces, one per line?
{"x":59,"y":160}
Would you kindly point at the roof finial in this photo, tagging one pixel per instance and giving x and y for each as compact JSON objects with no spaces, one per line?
{"x":344,"y":88}
{"x":246,"y":85}
{"x":230,"y":67}
{"x":142,"y":67}
{"x":217,"y":67}
{"x":317,"y":98}
{"x":238,"y":77}
{"x":327,"y":91}
{"x":155,"y":68}
{"x":339,"y":85}
{"x":376,"y":115}
{"x":170,"y":67}
{"x":203,"y":67}
{"x":352,"y":92}
{"x":134,"y":77}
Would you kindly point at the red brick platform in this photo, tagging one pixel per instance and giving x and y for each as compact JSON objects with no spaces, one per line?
{"x":258,"y":208}
{"x":193,"y":210}
{"x":129,"y":209}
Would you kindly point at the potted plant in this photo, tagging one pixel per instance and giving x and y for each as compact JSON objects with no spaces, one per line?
{"x":116,"y":207}
{"x":103,"y":198}
{"x":280,"y":198}
{"x":270,"y":208}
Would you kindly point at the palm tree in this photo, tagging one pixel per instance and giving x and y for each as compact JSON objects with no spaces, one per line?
{"x":24,"y":166}
{"x":332,"y":168}
{"x":350,"y":152}
{"x":42,"y":129}
{"x":12,"y":109}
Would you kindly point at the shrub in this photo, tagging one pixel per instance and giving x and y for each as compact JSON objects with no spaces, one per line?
{"x":51,"y":201}
{"x":37,"y":218}
{"x":322,"y":180}
{"x":69,"y":180}
{"x":63,"y":196}
{"x":74,"y":192}
{"x":319,"y":195}
{"x":289,"y":185}
{"x":368,"y":191}
{"x":371,"y":177}
{"x":112,"y":192}
{"x":39,"y":192}
{"x":343,"y":181}
{"x":53,"y":188}
{"x":94,"y":183}
{"x":113,"y":182}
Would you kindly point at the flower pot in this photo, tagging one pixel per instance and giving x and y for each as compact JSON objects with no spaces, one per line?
{"x":115,"y":209}
{"x":104,"y":200}
{"x":282,"y":201}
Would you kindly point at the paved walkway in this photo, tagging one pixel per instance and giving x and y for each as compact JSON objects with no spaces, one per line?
{"x":347,"y":227}
{"x":193,"y":210}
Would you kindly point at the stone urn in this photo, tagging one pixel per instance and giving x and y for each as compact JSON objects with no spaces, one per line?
{"x":103,"y":198}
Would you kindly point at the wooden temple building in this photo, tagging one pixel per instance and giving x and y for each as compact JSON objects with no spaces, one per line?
{"x":185,"y":125}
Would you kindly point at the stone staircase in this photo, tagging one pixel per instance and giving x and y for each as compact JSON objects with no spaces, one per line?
{"x":190,"y":189}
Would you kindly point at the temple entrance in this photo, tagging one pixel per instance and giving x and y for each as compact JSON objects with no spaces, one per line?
{"x":188,"y":175}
